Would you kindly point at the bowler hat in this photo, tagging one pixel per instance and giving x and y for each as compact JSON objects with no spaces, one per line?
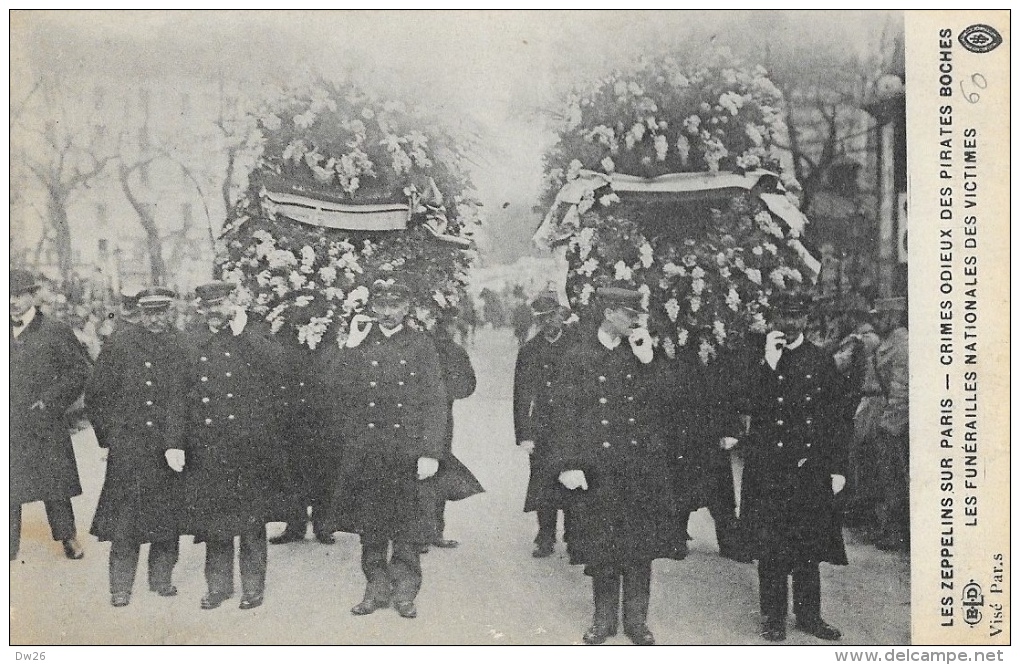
{"x":214,"y":292}
{"x":23,"y":281}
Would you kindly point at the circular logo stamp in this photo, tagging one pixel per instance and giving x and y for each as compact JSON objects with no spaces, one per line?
{"x":980,"y":38}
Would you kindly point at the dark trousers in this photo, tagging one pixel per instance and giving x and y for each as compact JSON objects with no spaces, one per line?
{"x":124,"y":550}
{"x":440,"y":518}
{"x":546,"y":526}
{"x":635,"y":582}
{"x":252,"y":556}
{"x":59,"y":514}
{"x":772,"y":589}
{"x":399,"y":577}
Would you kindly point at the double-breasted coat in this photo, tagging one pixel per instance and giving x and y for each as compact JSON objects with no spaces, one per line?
{"x":385,"y":406}
{"x":236,"y":468}
{"x":607,"y":423}
{"x":137,"y":402}
{"x":535,"y":374}
{"x":794,"y":445}
{"x":47,"y":364}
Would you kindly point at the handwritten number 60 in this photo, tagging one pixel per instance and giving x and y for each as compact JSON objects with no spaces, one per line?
{"x":979,"y":81}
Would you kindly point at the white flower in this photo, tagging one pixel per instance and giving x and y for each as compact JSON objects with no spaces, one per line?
{"x":706,"y":351}
{"x":695,"y":303}
{"x":681,"y":336}
{"x":647,"y":257}
{"x":588,"y":267}
{"x":646,"y":296}
{"x":795,"y":275}
{"x":439,"y":298}
{"x":756,"y":250}
{"x":733,"y":299}
{"x":724,"y":273}
{"x":661,"y":147}
{"x":772,"y":249}
{"x":692,"y":124}
{"x":297,"y":280}
{"x":672,"y":309}
{"x":271,"y":122}
{"x":279,"y":285}
{"x":777,"y":278}
{"x":574,"y":170}
{"x":698,"y":273}
{"x":683,"y":148}
{"x":327,"y":274}
{"x":586,"y":292}
{"x":669,"y":347}
{"x":748,"y":161}
{"x":281,"y":258}
{"x":276,"y":325}
{"x":608,"y":199}
{"x":719,"y":330}
{"x":697,"y":285}
{"x":638,"y":131}
{"x":303,"y":301}
{"x":356,"y":298}
{"x":333,"y":293}
{"x":731,"y":101}
{"x":305,"y":120}
{"x":263,"y":278}
{"x":758,"y":323}
{"x":608,"y":165}
{"x":367,"y":113}
{"x":584,"y":241}
{"x":307,"y":257}
{"x":674,"y":270}
{"x":623,"y":271}
{"x":753,"y":133}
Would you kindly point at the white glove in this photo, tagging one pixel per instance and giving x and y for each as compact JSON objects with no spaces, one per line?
{"x":838,"y":483}
{"x":573,"y":479}
{"x":360,"y":325}
{"x":427,"y":467}
{"x":641,"y":344}
{"x":528,"y":446}
{"x":175,"y":459}
{"x":775,"y":342}
{"x":727,"y":443}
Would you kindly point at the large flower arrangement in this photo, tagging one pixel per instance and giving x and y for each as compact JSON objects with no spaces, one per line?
{"x":341,"y":144}
{"x":707,"y":265}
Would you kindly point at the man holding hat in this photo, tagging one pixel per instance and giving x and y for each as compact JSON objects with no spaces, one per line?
{"x":47,"y":374}
{"x":137,"y":397}
{"x":534,"y":375}
{"x":387,"y":407}
{"x":609,"y":449}
{"x":237,"y":474}
{"x":794,"y":466}
{"x":892,"y":367}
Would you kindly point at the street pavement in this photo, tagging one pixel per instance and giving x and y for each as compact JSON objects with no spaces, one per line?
{"x":489,"y":591}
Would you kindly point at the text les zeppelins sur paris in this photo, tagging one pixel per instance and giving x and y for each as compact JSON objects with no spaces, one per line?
{"x":959,"y":462}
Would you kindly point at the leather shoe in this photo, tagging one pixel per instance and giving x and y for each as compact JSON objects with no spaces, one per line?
{"x":72,"y":549}
{"x":250,"y":602}
{"x":325,"y":538}
{"x":542,"y":550}
{"x":166,"y":590}
{"x":368,"y":606}
{"x":406,"y":609}
{"x":773,"y":630}
{"x":287,"y":536}
{"x":640,"y":636}
{"x":120,"y":599}
{"x":819,"y":629}
{"x":214,"y":599}
{"x":445,"y":544}
{"x":597,"y":634}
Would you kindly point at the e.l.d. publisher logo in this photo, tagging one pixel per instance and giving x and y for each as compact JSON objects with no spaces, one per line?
{"x":980,"y":38}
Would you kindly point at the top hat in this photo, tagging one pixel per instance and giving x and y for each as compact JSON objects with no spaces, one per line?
{"x":214,"y":292}
{"x":23,"y":281}
{"x":614,"y":296}
{"x":156,"y":298}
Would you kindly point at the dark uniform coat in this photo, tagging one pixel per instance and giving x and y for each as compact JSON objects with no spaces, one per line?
{"x":535,"y":372}
{"x":48,"y":364}
{"x":454,"y":481}
{"x":236,"y":469}
{"x":385,"y":404}
{"x":137,"y":402}
{"x":793,"y":447}
{"x":607,"y":423}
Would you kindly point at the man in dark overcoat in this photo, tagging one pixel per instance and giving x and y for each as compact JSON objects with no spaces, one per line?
{"x":453,"y":481}
{"x":47,"y":375}
{"x":534,"y":373}
{"x":794,"y":465}
{"x":308,"y":461}
{"x":137,"y":402}
{"x":387,"y":408}
{"x":237,"y":474}
{"x":611,"y":451}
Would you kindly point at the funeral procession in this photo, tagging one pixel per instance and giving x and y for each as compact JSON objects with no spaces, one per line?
{"x":465,"y":328}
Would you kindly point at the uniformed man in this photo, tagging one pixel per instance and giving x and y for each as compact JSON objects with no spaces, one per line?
{"x":794,"y":465}
{"x":48,"y":372}
{"x":137,"y":402}
{"x":610,"y":450}
{"x":237,"y":472}
{"x":387,"y":406}
{"x":534,"y":373}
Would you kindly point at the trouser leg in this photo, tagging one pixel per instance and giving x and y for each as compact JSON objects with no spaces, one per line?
{"x":60,"y":515}
{"x":440,"y":518}
{"x":772,"y":588}
{"x":605,"y":586}
{"x":252,"y":559}
{"x":163,"y":555}
{"x":123,"y":564}
{"x":405,"y":570}
{"x":219,"y":565}
{"x":637,"y":586}
{"x":15,"y":533}
{"x":546,"y":526}
{"x":373,"y":564}
{"x":807,"y":591}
